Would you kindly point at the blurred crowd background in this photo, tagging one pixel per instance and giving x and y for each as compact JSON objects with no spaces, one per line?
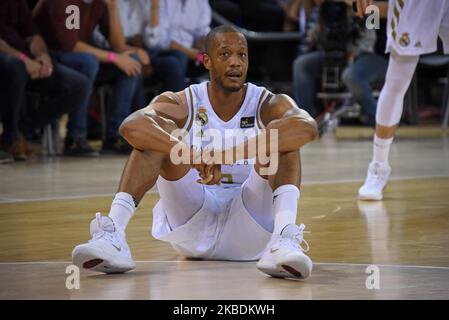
{"x":87,"y":76}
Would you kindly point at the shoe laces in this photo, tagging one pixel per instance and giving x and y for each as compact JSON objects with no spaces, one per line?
{"x":101,"y":230}
{"x":300,"y":238}
{"x":297,"y":240}
{"x":375,"y":175}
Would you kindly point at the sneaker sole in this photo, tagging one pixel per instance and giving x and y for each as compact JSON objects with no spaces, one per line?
{"x":290,"y":269}
{"x":370,"y":197}
{"x":87,"y":258}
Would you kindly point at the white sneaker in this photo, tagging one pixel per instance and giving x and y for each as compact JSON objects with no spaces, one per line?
{"x":284,"y":256}
{"x":376,"y":181}
{"x":106,"y":252}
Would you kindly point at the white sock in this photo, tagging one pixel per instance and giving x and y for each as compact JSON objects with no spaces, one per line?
{"x":381,"y":149}
{"x":122,"y":210}
{"x":285,"y":202}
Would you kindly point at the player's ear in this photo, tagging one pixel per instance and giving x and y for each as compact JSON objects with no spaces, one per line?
{"x":207,"y":62}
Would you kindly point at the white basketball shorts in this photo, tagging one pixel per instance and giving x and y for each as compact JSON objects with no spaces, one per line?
{"x":414,"y":26}
{"x":222,"y":229}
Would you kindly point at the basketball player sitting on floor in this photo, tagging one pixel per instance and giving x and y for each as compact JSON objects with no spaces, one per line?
{"x":208,"y":210}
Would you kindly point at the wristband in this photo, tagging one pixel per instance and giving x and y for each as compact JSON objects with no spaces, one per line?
{"x":111,"y":57}
{"x":22,"y":56}
{"x":200,"y":57}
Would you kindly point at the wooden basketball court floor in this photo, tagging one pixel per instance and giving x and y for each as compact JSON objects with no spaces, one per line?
{"x":46,"y":206}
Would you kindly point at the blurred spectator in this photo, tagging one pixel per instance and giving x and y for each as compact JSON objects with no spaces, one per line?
{"x":74,"y":48}
{"x":230,"y":9}
{"x":367,"y":67}
{"x":264,"y":15}
{"x":25,"y":66}
{"x":183,"y":24}
{"x":138,"y":18}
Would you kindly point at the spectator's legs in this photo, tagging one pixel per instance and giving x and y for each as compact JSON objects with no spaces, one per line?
{"x":123,"y":92}
{"x":228,"y":9}
{"x":88,"y":65}
{"x":306,"y":69}
{"x":65,"y":91}
{"x":139,"y":100}
{"x":182,"y":59}
{"x":262,"y":15}
{"x":170,"y":70}
{"x":13,"y":80}
{"x":357,"y":77}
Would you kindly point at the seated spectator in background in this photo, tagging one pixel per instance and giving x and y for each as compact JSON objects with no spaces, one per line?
{"x":138,"y":18}
{"x":264,"y":15}
{"x":260,"y":15}
{"x":25,"y":66}
{"x":367,"y":67}
{"x":122,"y":66}
{"x":183,"y":24}
{"x":230,"y":9}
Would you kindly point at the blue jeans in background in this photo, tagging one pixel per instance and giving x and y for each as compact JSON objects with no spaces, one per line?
{"x":125,"y":90}
{"x":358,"y":77}
{"x":64,"y":91}
{"x":171,"y":68}
{"x":87,"y":65}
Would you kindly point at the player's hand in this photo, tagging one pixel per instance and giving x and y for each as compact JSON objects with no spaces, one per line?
{"x":204,"y":163}
{"x":127,"y":64}
{"x":210,"y":174}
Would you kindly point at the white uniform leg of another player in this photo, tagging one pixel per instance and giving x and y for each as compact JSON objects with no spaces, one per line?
{"x":413,"y":29}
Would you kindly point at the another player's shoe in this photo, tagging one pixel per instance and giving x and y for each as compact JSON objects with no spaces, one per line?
{"x":107,"y":251}
{"x":284,"y":257}
{"x":376,"y":181}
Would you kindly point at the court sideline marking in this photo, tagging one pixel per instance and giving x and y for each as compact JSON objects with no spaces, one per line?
{"x":7,"y":200}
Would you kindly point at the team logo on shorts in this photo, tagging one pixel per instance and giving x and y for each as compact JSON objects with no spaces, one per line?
{"x":201,"y":117}
{"x":405,"y":39}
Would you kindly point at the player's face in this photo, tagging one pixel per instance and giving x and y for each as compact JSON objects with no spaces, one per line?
{"x":228,"y":61}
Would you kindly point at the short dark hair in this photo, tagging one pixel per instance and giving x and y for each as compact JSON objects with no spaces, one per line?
{"x":210,"y":37}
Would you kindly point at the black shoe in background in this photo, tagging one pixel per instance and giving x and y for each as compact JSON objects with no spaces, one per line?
{"x":79,"y":147}
{"x":116,"y":145}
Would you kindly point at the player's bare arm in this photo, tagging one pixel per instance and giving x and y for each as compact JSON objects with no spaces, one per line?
{"x":150,"y":128}
{"x":295,"y":127}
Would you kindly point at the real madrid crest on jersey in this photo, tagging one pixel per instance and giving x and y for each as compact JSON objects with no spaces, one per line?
{"x":405,"y":39}
{"x":201,"y":117}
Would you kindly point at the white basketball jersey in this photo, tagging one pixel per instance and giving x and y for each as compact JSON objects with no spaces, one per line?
{"x":207,"y":129}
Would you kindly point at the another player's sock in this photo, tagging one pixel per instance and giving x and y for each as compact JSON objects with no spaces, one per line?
{"x":285,"y":201}
{"x":381,"y":149}
{"x":122,"y":210}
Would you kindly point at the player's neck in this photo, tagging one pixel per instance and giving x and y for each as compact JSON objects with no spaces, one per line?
{"x":225,"y":103}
